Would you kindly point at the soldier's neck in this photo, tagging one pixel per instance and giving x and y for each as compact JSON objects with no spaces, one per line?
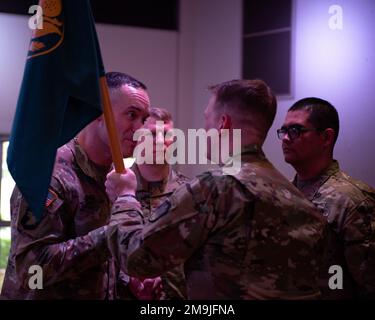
{"x":97,"y":152}
{"x":312,"y":169}
{"x":154,"y":172}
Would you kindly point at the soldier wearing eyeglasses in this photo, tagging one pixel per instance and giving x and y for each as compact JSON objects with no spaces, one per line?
{"x":308,"y":135}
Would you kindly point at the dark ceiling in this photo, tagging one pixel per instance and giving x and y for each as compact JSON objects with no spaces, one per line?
{"x":162,"y":14}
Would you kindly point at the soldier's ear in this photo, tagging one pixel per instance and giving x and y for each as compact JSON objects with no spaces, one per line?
{"x":100,"y":121}
{"x":225,"y":121}
{"x":329,"y":137}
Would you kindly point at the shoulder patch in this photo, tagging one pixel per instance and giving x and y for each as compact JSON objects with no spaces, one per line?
{"x":160,"y":211}
{"x":51,"y":198}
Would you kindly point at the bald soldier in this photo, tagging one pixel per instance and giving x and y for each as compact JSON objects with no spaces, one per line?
{"x":248,"y":234}
{"x":69,"y":242}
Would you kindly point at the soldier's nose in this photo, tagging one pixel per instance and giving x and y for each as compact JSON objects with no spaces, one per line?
{"x":286,"y":138}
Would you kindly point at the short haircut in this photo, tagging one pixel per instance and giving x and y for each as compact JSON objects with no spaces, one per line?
{"x":251,"y":98}
{"x":116,"y":80}
{"x":322,"y":114}
{"x":160,"y":114}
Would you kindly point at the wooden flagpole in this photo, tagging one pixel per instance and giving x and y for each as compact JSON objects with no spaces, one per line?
{"x":111,"y":128}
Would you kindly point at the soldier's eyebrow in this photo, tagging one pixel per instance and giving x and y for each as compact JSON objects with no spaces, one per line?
{"x":133,"y":107}
{"x":293,"y":124}
{"x":136,"y":109}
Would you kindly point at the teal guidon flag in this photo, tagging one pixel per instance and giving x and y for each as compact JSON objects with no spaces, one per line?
{"x":59,"y":96}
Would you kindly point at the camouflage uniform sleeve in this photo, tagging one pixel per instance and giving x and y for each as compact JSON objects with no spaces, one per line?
{"x":359,"y":241}
{"x":47,"y":243}
{"x":173,"y":232}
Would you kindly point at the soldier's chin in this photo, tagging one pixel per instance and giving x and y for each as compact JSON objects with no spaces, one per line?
{"x":288,"y":158}
{"x":128,"y":148}
{"x":159,"y":159}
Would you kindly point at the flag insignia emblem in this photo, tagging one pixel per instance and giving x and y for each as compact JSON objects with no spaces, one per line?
{"x":51,"y":197}
{"x":51,"y":35}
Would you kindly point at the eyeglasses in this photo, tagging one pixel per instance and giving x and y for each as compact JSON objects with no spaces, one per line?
{"x":293,"y":131}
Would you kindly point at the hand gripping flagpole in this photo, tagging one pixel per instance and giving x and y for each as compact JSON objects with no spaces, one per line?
{"x":111,"y":128}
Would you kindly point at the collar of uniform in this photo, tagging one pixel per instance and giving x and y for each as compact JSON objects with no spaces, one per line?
{"x":310,"y":187}
{"x":332,"y":169}
{"x":91,"y":169}
{"x":151,"y":188}
{"x":251,"y":149}
{"x":254,"y":150}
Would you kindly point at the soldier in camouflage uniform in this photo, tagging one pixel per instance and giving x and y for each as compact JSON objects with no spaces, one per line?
{"x":309,"y":133}
{"x":155,"y":182}
{"x":69,"y":242}
{"x":248,"y":234}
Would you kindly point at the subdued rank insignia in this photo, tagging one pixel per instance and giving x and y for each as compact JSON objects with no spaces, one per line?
{"x":160,"y":211}
{"x":51,"y":198}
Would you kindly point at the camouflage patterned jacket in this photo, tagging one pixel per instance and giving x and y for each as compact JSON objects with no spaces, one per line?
{"x":349,"y":207}
{"x":73,"y":255}
{"x":150,"y":195}
{"x":248,"y":236}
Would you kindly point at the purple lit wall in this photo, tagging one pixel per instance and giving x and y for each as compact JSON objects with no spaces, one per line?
{"x":339,"y":66}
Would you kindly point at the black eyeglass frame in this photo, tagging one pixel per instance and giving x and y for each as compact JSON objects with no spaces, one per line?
{"x":296,"y":133}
